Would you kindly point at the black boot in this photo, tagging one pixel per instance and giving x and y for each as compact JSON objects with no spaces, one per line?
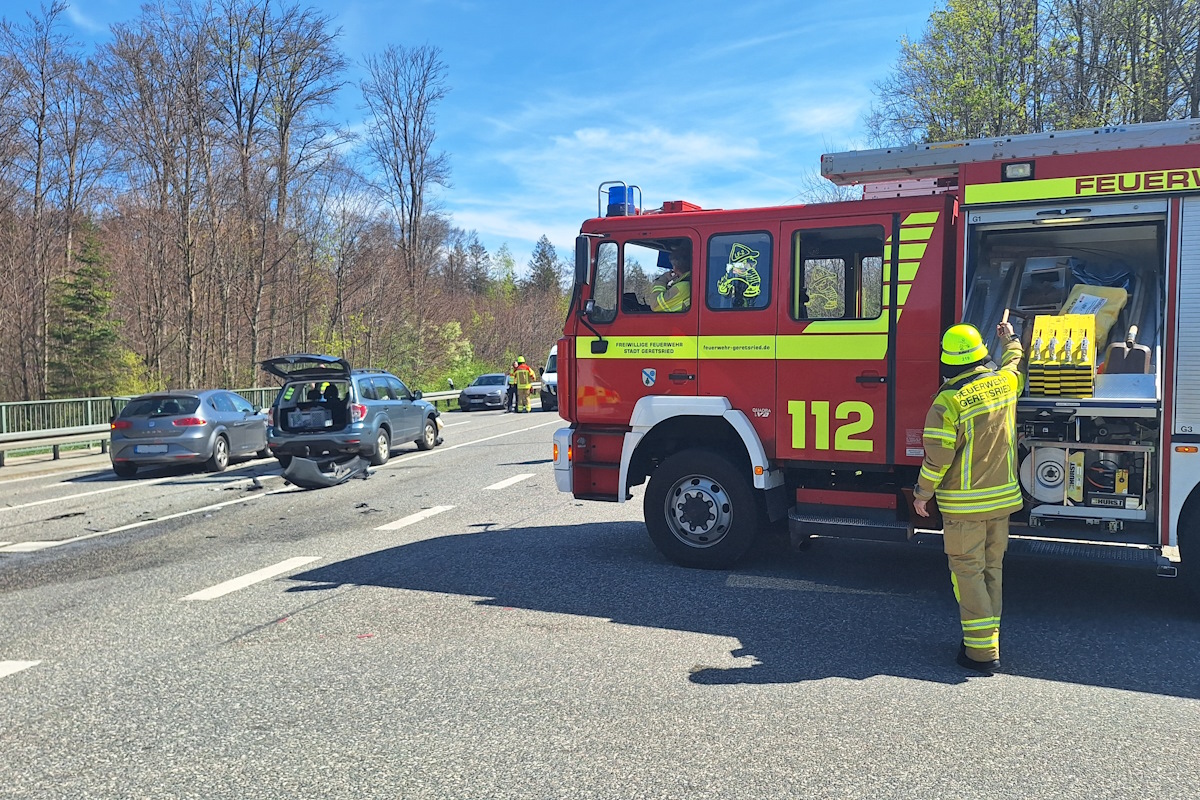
{"x":966,"y":662}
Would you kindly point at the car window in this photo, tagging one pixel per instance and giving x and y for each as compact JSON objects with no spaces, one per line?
{"x":222,"y":403}
{"x":160,"y":406}
{"x":366,"y":389}
{"x":381,"y":389}
{"x":240,"y":403}
{"x":398,"y":389}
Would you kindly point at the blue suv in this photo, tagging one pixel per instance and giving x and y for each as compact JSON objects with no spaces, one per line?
{"x":325,"y":408}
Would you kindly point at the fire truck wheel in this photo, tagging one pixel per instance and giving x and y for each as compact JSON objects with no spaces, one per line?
{"x":1189,"y":546}
{"x":700,"y":510}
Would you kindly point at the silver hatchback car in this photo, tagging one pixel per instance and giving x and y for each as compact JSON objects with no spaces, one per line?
{"x":210,"y":427}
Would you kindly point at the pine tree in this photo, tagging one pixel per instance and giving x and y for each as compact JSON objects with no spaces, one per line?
{"x":544,"y":269}
{"x":85,"y":353}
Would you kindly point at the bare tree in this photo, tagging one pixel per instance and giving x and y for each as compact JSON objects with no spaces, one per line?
{"x":40,"y":58}
{"x":403,"y":87}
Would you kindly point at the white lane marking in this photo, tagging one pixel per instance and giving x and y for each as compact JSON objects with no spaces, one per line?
{"x":405,"y":458}
{"x":504,"y":484}
{"x":9,"y":667}
{"x":53,"y":474}
{"x":790,"y":584}
{"x":411,"y":518}
{"x":124,"y":485}
{"x":4,"y":543}
{"x":263,"y":574}
{"x":29,"y":547}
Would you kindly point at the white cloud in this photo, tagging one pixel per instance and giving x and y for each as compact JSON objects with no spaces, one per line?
{"x":831,"y":117}
{"x":81,"y":20}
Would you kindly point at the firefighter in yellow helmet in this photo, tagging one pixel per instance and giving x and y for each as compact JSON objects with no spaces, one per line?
{"x":971,"y":466}
{"x":525,"y":377}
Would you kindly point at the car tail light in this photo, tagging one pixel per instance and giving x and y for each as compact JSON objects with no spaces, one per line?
{"x":358,"y":412}
{"x":271,"y":416}
{"x":121,"y":424}
{"x":185,"y":422}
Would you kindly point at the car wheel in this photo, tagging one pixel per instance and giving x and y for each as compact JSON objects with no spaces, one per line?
{"x":219,"y":459}
{"x":383,"y":449}
{"x":428,"y":435}
{"x":284,"y":461}
{"x":125,"y":470}
{"x":700,"y":511}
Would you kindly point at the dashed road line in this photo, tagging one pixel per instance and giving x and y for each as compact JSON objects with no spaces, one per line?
{"x":404,"y":522}
{"x":263,"y":574}
{"x":124,"y":485}
{"x":404,"y":459}
{"x":31,"y":547}
{"x":504,"y":484}
{"x":790,"y":584}
{"x":10,"y":667}
{"x":27,"y":547}
{"x":44,"y":475}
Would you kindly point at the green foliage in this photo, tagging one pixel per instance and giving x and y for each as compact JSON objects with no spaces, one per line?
{"x":545,"y":269}
{"x":342,"y":341}
{"x":993,"y":67}
{"x":132,"y":377}
{"x":83,"y":334}
{"x":504,"y":274}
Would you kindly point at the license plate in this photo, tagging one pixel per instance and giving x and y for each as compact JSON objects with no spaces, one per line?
{"x":150,"y":448}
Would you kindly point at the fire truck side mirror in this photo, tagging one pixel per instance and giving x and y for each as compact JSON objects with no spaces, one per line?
{"x":581,"y":260}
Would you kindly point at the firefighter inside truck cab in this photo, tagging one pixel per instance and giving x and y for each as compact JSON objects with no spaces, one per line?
{"x":672,"y":290}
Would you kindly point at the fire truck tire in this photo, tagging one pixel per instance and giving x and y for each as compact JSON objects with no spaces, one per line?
{"x":1189,"y":546}
{"x":700,"y":510}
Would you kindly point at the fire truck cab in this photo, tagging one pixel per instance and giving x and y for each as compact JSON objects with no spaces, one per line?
{"x":774,"y":364}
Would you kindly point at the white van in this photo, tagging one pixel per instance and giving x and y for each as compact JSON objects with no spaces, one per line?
{"x":549,"y":392}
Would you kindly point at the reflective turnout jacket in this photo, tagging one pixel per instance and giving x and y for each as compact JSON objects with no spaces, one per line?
{"x":970,"y":442}
{"x":674,"y":297}
{"x":524,"y":376}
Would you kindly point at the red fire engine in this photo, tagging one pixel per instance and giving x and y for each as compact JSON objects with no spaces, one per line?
{"x":788,"y":373}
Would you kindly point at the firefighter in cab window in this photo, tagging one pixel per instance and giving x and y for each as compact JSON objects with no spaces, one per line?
{"x":672,"y":290}
{"x":971,"y":467}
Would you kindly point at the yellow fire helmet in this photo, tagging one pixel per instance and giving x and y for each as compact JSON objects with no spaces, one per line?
{"x":962,"y":345}
{"x":521,"y":359}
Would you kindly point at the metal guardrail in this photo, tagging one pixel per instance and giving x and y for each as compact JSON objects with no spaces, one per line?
{"x":41,"y":424}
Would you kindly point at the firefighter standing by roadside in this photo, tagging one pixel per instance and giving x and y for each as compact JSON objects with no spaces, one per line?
{"x":971,"y":466}
{"x":510,"y":400}
{"x":525,"y":377}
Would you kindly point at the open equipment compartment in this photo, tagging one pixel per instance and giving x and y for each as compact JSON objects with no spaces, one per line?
{"x":1088,"y":458}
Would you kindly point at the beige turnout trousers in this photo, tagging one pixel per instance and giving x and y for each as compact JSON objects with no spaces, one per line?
{"x":975,"y":549}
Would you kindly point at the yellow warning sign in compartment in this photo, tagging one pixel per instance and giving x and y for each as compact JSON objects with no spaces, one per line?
{"x":1062,"y":356}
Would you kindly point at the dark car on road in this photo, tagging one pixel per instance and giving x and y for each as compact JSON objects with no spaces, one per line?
{"x":210,"y":427}
{"x":486,"y":391}
{"x":326,"y":408}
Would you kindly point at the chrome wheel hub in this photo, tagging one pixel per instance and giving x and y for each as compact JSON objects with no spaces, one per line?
{"x":698,"y":511}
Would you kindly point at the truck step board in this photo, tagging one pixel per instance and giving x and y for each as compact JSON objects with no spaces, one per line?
{"x":876,"y":526}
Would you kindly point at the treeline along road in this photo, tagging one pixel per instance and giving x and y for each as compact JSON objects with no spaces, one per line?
{"x":455,"y":627}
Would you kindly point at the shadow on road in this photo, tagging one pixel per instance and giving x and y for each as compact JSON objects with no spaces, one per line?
{"x":839,"y":609}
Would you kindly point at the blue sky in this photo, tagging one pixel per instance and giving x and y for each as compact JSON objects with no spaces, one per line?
{"x":724,"y":104}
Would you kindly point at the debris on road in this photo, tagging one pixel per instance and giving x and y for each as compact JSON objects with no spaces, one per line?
{"x":309,"y":473}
